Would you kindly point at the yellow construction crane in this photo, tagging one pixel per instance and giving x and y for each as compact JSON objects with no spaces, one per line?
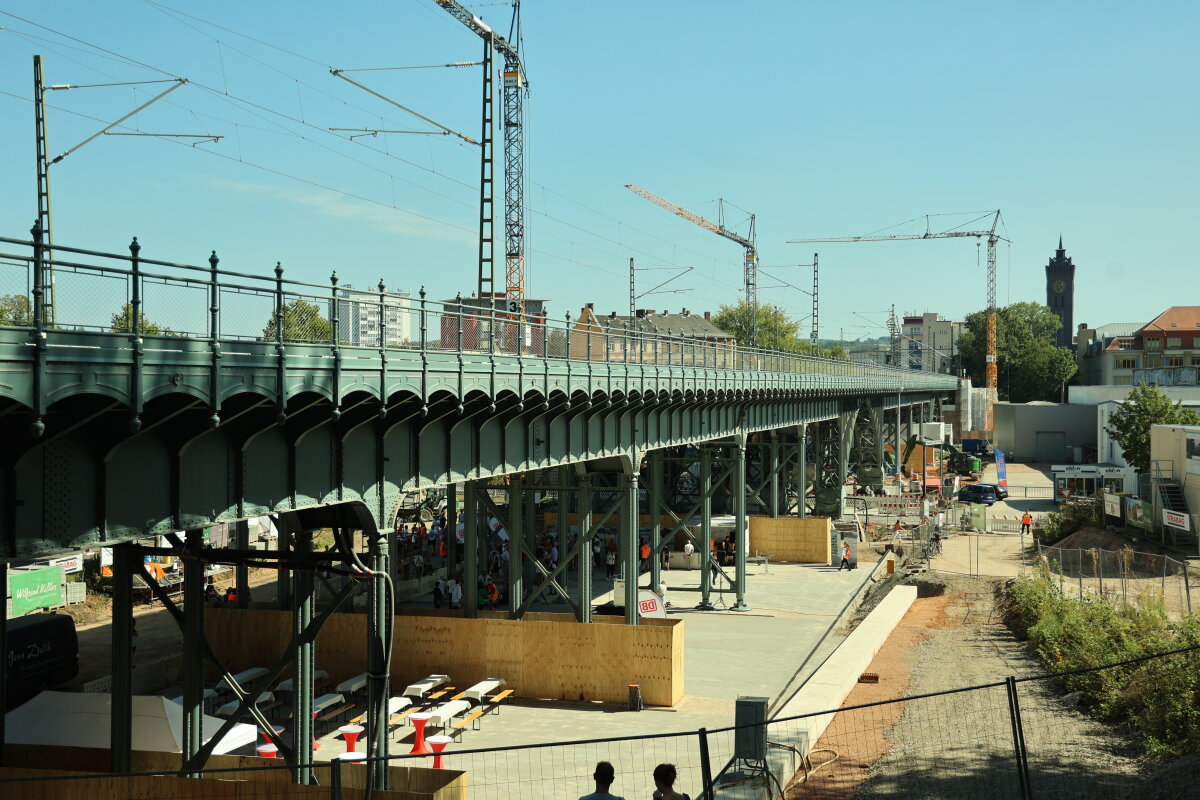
{"x":990,"y":367}
{"x":750,"y":262}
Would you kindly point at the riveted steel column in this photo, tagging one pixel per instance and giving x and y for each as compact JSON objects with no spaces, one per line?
{"x":121,"y":719}
{"x":564,"y":483}
{"x":286,"y":581}
{"x":516,"y":533}
{"x":585,"y":554}
{"x":379,"y":639}
{"x":471,"y":546}
{"x":627,"y":519}
{"x":773,"y":466}
{"x":452,"y":548}
{"x":302,"y":697}
{"x":3,"y":649}
{"x":741,"y":537}
{"x":802,"y":468}
{"x":655,"y":501}
{"x":241,"y":572}
{"x":193,"y":651}
{"x":705,"y":548}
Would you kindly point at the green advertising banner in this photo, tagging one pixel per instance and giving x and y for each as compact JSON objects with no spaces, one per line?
{"x":39,"y":588}
{"x":1139,"y":514}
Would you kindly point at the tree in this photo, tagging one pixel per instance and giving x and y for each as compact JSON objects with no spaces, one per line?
{"x":1130,"y":425}
{"x":302,"y":322}
{"x":1030,"y":366}
{"x":122,"y":322}
{"x":773,"y":329}
{"x":15,"y":309}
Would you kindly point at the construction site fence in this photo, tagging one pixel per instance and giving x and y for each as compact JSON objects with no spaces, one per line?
{"x":1121,"y":577}
{"x":1011,"y":738}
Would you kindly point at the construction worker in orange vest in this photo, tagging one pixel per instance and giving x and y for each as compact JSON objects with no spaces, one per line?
{"x":1026,"y":523}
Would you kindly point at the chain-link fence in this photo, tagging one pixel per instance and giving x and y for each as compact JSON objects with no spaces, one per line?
{"x":1124,"y":576}
{"x":1011,"y":738}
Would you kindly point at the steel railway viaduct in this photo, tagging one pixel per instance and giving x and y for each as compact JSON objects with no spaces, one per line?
{"x":141,"y":397}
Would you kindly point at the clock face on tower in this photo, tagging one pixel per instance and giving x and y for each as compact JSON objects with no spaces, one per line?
{"x":1060,"y":287}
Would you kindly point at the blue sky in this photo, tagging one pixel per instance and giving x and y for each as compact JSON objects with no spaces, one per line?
{"x":821,"y":118}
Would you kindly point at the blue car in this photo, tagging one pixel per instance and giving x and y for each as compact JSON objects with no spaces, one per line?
{"x":978,"y":493}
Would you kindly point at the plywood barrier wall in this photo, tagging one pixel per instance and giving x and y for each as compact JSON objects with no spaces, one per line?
{"x":545,"y":655}
{"x":802,"y":540}
{"x":408,"y":783}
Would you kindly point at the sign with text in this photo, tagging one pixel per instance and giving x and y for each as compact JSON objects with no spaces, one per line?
{"x":1001,"y":468}
{"x":71,"y":563}
{"x":650,"y":605}
{"x":1112,"y":504}
{"x":1139,"y":514}
{"x":1176,"y":519}
{"x":36,"y":589}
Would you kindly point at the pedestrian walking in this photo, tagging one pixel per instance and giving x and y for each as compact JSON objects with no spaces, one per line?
{"x":845,"y":556}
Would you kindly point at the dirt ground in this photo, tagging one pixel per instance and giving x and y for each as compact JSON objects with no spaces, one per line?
{"x":961,"y":744}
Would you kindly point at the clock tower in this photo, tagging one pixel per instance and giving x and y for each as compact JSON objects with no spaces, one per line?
{"x":1060,"y":294}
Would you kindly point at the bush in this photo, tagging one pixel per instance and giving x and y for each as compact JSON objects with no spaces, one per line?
{"x":1161,"y":696}
{"x":1071,"y":517}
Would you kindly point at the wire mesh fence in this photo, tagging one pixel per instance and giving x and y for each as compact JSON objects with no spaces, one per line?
{"x":1014,"y":738}
{"x":1123,"y":577}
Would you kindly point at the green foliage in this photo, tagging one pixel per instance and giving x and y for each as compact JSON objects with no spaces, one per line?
{"x":773,"y":329}
{"x":1030,"y":366}
{"x":1070,"y":517}
{"x":15,"y":309}
{"x":302,"y":322}
{"x":1160,"y":696}
{"x":1130,"y":424}
{"x":122,"y":322}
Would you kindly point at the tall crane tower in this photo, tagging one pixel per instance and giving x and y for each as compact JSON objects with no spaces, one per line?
{"x":513,"y":105}
{"x":990,"y":367}
{"x":750,"y":261}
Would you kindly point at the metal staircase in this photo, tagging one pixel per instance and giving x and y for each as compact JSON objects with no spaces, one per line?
{"x":1168,"y":494}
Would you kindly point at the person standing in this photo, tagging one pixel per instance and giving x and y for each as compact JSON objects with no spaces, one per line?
{"x":1026,"y":522}
{"x":610,"y":564}
{"x":845,"y":556}
{"x":604,"y":775}
{"x":688,"y":549}
{"x":664,"y":783}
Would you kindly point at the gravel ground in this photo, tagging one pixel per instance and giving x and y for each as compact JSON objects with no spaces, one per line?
{"x":961,"y":744}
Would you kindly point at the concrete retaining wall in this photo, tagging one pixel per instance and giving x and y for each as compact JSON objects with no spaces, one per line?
{"x":830,"y":685}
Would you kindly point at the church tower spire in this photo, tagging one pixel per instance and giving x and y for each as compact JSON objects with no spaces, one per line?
{"x":1060,"y":294}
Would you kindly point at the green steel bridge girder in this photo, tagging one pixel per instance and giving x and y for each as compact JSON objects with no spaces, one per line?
{"x":176,"y":439}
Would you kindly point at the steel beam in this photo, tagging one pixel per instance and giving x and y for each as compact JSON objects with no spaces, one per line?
{"x":654,"y":497}
{"x":705,"y":547}
{"x":193,"y":654}
{"x":516,"y":542}
{"x":121,"y":719}
{"x":586,"y":532}
{"x":471,"y":546}
{"x":802,"y":467}
{"x":302,"y":696}
{"x":380,"y":616}
{"x":627,"y":523}
{"x":740,"y":536}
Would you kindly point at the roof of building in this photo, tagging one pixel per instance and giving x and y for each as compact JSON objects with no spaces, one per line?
{"x":682,"y":324}
{"x":1117,"y":341}
{"x":1117,"y":329}
{"x":1174,"y":318}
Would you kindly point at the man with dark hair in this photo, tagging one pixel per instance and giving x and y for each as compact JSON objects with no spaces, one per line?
{"x":664,"y":783}
{"x":604,"y":776}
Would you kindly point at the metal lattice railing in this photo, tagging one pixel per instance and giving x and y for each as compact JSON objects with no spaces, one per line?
{"x":98,"y":292}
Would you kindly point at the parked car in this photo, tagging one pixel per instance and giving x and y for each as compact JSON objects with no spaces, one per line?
{"x":978,"y":493}
{"x":1001,"y":492}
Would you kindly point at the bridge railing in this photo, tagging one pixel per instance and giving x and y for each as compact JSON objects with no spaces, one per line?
{"x":72,"y":289}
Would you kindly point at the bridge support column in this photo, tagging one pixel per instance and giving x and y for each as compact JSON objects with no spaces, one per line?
{"x":584,"y":504}
{"x":121,"y":719}
{"x":627,"y":522}
{"x":241,"y":541}
{"x":452,"y":549}
{"x":516,"y":539}
{"x":802,"y":470}
{"x":654,"y":496}
{"x":774,"y":466}
{"x":703,"y":548}
{"x":380,"y":612}
{"x":741,"y":537}
{"x":302,"y":696}
{"x":471,"y":550}
{"x":193,"y":648}
{"x":285,"y":582}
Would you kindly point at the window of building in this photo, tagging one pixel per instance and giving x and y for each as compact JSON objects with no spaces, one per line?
{"x":1174,"y":342}
{"x":1174,"y":361}
{"x":1154,"y":344}
{"x":1196,"y":361}
{"x":1126,"y":363}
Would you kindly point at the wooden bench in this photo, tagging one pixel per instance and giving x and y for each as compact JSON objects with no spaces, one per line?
{"x":433,"y":698}
{"x":397,"y":720}
{"x":459,"y":696}
{"x":498,"y":698}
{"x":336,"y":711}
{"x":457,"y":728}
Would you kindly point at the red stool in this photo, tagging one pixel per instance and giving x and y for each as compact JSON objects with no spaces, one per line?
{"x":439,"y":744}
{"x":266,"y":738}
{"x":351,"y":733}
{"x":419,"y":721}
{"x":316,"y":744}
{"x":267,"y":751}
